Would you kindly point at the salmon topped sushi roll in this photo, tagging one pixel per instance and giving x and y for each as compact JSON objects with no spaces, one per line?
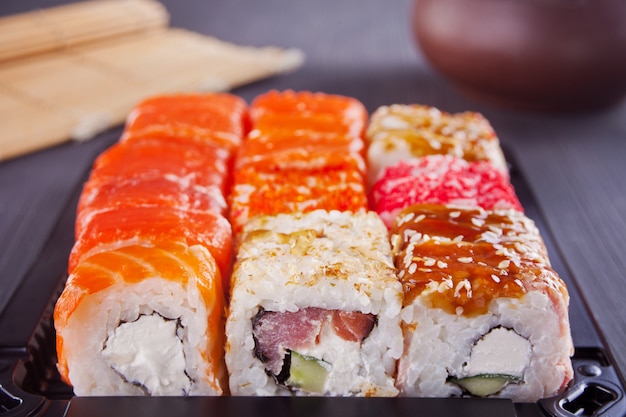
{"x":150,"y":158}
{"x":142,"y":312}
{"x":484,"y":313}
{"x":122,"y":226}
{"x":402,"y":132}
{"x":102,"y":193}
{"x":314,"y":307}
{"x":143,"y":320}
{"x":441,"y":179}
{"x":216,"y":113}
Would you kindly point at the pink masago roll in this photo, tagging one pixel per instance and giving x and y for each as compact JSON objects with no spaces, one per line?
{"x":441,"y":179}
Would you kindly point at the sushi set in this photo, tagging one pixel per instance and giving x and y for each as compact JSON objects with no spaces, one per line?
{"x":299,"y":256}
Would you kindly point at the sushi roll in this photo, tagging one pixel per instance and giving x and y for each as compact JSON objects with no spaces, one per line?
{"x":402,"y":132}
{"x":258,"y":193}
{"x":304,"y":111}
{"x":304,"y":152}
{"x":217,"y":115}
{"x":150,"y":157}
{"x":143,"y":320}
{"x":271,"y":152}
{"x":142,"y":312}
{"x":314,"y":307}
{"x":122,"y":226}
{"x":441,"y":179}
{"x":484,"y":314}
{"x":167,"y":191}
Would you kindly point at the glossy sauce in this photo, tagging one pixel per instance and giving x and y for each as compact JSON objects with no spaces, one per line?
{"x":429,"y":131}
{"x":461,"y":259}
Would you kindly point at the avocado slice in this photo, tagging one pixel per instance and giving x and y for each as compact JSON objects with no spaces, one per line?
{"x":307,"y":373}
{"x":485,"y":384}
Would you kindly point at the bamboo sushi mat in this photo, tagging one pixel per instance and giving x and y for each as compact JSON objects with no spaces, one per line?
{"x":70,"y":72}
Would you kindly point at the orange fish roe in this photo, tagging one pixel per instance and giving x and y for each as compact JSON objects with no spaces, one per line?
{"x":305,"y":152}
{"x":268,"y":193}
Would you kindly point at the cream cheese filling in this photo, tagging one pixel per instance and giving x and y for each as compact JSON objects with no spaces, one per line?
{"x":148,"y":353}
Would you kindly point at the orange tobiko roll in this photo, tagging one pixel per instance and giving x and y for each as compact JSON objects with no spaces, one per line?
{"x":268,"y":193}
{"x":143,"y":320}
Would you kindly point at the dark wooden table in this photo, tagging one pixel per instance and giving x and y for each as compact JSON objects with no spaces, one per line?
{"x":575,"y":165}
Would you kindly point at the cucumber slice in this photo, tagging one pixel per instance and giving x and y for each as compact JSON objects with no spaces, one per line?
{"x":486,"y":384}
{"x":307,"y":373}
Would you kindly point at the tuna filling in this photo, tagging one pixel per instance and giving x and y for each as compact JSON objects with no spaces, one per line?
{"x":302,"y":349}
{"x":148,"y":353}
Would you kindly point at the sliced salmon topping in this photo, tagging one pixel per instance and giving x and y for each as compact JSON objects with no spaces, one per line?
{"x":215,"y":112}
{"x":186,"y":135}
{"x":305,"y":102}
{"x":155,"y":226}
{"x":204,"y":165}
{"x":277,"y":123}
{"x":290,"y":111}
{"x":169,"y":191}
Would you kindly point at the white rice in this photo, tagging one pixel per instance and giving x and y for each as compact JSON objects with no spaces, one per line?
{"x":99,"y":314}
{"x":440,"y":344}
{"x":331,"y":260}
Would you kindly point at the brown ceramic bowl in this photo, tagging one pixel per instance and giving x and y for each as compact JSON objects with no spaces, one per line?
{"x":558,"y":55}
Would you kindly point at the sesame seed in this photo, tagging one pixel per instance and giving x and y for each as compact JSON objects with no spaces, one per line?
{"x":465,"y":284}
{"x":429,"y":262}
{"x":504,"y":264}
{"x":465,"y":259}
{"x":477,"y":222}
{"x":441,"y":264}
{"x":454,"y":214}
{"x":495,"y":278}
{"x":406,"y":218}
{"x":412,"y":268}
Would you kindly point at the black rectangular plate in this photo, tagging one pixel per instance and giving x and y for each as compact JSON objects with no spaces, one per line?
{"x":31,"y":386}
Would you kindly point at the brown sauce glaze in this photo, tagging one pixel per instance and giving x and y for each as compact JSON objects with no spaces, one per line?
{"x":460,"y":259}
